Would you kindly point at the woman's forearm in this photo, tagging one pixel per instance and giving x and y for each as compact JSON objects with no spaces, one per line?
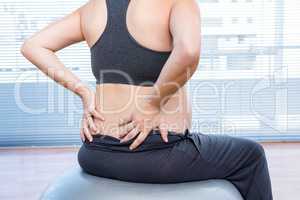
{"x":183,"y":61}
{"x":179,"y":68}
{"x":40,"y":49}
{"x":46,"y":60}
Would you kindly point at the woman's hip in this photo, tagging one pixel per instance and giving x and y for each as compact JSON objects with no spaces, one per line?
{"x":153,"y":161}
{"x":186,"y":157}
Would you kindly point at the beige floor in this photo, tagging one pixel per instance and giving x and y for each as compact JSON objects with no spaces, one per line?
{"x":26,"y":172}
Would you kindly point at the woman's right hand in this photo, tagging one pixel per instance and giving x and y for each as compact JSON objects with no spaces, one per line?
{"x":88,"y":127}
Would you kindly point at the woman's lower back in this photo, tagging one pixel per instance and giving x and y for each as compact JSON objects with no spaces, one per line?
{"x":116,"y":101}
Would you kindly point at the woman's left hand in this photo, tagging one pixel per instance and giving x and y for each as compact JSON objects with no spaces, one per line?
{"x":142,"y":120}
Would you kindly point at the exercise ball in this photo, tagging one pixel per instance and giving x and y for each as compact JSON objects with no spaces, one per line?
{"x":78,"y":185}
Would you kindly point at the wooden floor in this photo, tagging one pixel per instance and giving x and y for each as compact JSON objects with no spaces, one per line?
{"x":26,"y":172}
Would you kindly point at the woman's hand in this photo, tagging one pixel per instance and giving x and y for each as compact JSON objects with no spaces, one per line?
{"x":142,"y":120}
{"x":88,"y":127}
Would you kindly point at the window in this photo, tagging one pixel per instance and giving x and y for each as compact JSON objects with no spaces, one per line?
{"x":34,"y":109}
{"x":247,"y":79}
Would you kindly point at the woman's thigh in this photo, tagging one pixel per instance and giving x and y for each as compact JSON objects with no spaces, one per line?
{"x":224,"y":155}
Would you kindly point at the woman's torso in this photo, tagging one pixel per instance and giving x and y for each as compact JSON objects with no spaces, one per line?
{"x":147,"y":23}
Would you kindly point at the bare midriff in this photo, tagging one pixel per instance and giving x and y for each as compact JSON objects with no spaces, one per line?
{"x":116,"y":102}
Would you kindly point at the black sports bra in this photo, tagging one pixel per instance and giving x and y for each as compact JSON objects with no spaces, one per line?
{"x":117,"y":57}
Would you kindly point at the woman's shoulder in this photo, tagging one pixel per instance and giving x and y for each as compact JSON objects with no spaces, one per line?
{"x":92,"y":19}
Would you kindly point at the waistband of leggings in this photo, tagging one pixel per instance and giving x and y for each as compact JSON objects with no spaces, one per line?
{"x":153,"y":141}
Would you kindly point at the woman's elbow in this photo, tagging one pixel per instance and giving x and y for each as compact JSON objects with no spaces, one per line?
{"x":30,"y":47}
{"x":189,"y":53}
{"x":25,"y":47}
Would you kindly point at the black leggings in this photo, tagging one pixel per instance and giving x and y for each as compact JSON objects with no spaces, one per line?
{"x":186,"y":157}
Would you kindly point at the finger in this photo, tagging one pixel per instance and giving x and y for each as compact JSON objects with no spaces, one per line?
{"x":98,"y":115}
{"x":82,"y":129}
{"x":99,"y":127}
{"x":125,"y":120}
{"x":86,"y":131}
{"x":86,"y":113}
{"x":164,"y":134}
{"x":127,"y":128}
{"x":82,"y":134}
{"x":91,"y":124}
{"x":130,"y":135}
{"x":82,"y":124}
{"x":142,"y":136}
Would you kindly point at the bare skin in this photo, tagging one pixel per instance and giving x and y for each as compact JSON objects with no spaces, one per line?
{"x":124,"y":111}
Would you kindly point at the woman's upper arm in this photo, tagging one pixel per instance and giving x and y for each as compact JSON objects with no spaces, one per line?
{"x":61,"y":33}
{"x":185,"y":25}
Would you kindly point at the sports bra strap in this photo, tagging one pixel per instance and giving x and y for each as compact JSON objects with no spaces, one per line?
{"x":116,"y":12}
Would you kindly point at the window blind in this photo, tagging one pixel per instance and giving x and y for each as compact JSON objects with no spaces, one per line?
{"x":34,"y":109}
{"x":247,"y":82}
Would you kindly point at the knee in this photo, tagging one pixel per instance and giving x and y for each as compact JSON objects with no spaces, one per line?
{"x":256,"y":149}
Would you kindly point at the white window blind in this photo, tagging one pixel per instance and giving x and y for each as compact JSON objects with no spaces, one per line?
{"x":34,"y":109}
{"x":247,"y":82}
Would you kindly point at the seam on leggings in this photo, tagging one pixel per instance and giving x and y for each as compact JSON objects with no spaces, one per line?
{"x":215,"y":167}
{"x":227,"y":167}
